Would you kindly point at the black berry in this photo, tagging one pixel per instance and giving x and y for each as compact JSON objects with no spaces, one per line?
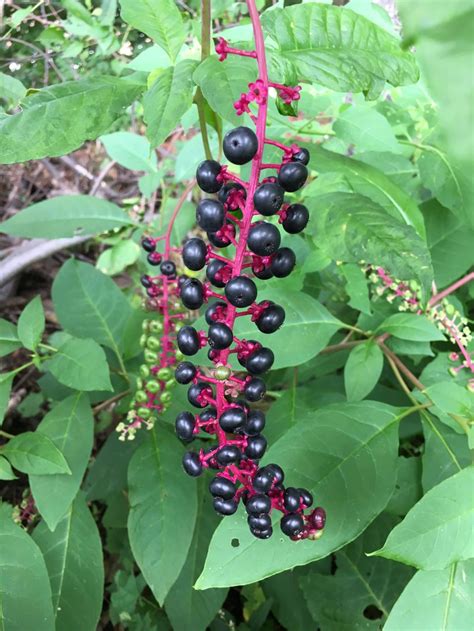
{"x":184,"y":426}
{"x":306,"y":497}
{"x":268,"y":198}
{"x":283,"y":262}
{"x":195,"y":392}
{"x":260,"y":361}
{"x":214,"y":268}
{"x":188,"y":340}
{"x":271,"y":319}
{"x":296,"y":220}
{"x":241,"y":291}
{"x":224,"y":507}
{"x":232,"y":419}
{"x":225,"y":191}
{"x":194,"y":254}
{"x":262,"y":482}
{"x":259,"y":522}
{"x":302,"y":156}
{"x":168,"y":268}
{"x":277,"y":472}
{"x":291,"y":499}
{"x":222,"y":241}
{"x":264,"y":238}
{"x":256,"y":446}
{"x":146,"y":281}
{"x":255,"y":389}
{"x":240,"y":145}
{"x":185,"y":372}
{"x":210,"y":215}
{"x":206,"y":176}
{"x":191,"y":463}
{"x":292,"y":524}
{"x":148,"y":245}
{"x":220,"y":336}
{"x":292,"y":176}
{"x":192,"y":294}
{"x":229,"y":454}
{"x":258,"y":504}
{"x":222,"y":487}
{"x":255,"y":423}
{"x":212,"y":310}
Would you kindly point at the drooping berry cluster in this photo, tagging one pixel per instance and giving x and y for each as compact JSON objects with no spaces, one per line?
{"x":235,"y":220}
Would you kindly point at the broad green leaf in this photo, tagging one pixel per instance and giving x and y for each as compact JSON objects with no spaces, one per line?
{"x":73,"y":556}
{"x":307,"y":329}
{"x":184,"y":222}
{"x":351,"y":228}
{"x":445,"y":452}
{"x":150,"y":59}
{"x":159,"y":19}
{"x":163,"y":508}
{"x":130,"y":150}
{"x":370,"y":182}
{"x":365,"y":129}
{"x":170,"y":96}
{"x":359,"y":583}
{"x":346,"y":455}
{"x":450,"y":243}
{"x":80,"y":364}
{"x":31,"y":324}
{"x":118,"y":257}
{"x":362,"y":370}
{"x":222,"y":83}
{"x":437,"y":531}
{"x":25,"y":592}
{"x":356,"y":287}
{"x":408,"y":489}
{"x":34,"y":453}
{"x":338,"y":49}
{"x":11,"y":90}
{"x":48,"y":124}
{"x":149,"y":183}
{"x":70,"y":426}
{"x":9,"y":340}
{"x":289,"y":605}
{"x":450,"y":398}
{"x":6,"y":472}
{"x":436,"y":600}
{"x":411,"y":326}
{"x":89,"y":304}
{"x":66,"y":216}
{"x":188,"y":608}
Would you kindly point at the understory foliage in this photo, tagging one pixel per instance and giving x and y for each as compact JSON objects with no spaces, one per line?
{"x":368,"y":394}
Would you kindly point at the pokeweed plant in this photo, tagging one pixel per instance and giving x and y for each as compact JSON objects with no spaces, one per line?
{"x":350,"y":294}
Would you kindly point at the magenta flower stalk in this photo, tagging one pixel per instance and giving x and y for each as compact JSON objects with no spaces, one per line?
{"x":222,"y":397}
{"x":156,"y":381}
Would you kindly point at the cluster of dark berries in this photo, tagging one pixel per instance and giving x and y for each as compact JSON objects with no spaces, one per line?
{"x":239,"y":218}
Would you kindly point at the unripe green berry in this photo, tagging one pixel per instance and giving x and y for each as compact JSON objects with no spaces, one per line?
{"x":164,"y":374}
{"x":156,"y":326}
{"x":153,"y":386}
{"x":144,"y":371}
{"x":179,"y":356}
{"x":144,"y":412}
{"x":153,"y":343}
{"x":141,"y":396}
{"x":145,"y":325}
{"x":150,"y":356}
{"x":222,"y":373}
{"x":165,"y":397}
{"x":169,"y":385}
{"x":143,"y":339}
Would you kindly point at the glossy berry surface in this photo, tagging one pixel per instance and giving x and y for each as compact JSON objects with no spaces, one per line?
{"x":268,"y":198}
{"x":216,"y":272}
{"x":168,"y":268}
{"x":241,"y":291}
{"x":292,"y":176}
{"x":220,"y":336}
{"x":240,"y":145}
{"x":302,"y":155}
{"x":185,"y":372}
{"x":264,"y":239}
{"x":210,"y":215}
{"x":260,"y":361}
{"x":206,"y":176}
{"x":188,"y":340}
{"x":255,"y":389}
{"x":283,"y":262}
{"x":191,"y":293}
{"x":194,"y":254}
{"x":271,"y":319}
{"x":296,"y":220}
{"x":184,"y":425}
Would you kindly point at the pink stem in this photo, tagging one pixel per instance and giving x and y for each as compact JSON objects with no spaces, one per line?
{"x":449,"y":290}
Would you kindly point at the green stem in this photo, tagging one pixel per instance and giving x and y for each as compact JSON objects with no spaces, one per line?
{"x":4,"y":434}
{"x":48,"y":347}
{"x":205,"y":52}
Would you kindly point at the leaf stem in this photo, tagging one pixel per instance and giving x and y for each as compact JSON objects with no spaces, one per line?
{"x":205,"y":52}
{"x":4,"y":434}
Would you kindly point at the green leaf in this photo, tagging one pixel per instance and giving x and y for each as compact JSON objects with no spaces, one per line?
{"x":408,"y":489}
{"x":450,"y":398}
{"x":25,"y":592}
{"x":437,"y":531}
{"x":80,"y":364}
{"x":31,"y":324}
{"x":222,"y":83}
{"x":411,"y":326}
{"x":9,"y":341}
{"x":170,"y":96}
{"x":436,"y":600}
{"x":188,"y":608}
{"x":130,"y":150}
{"x":184,"y":222}
{"x":73,"y":556}
{"x":346,"y":455}
{"x":6,"y":381}
{"x":66,"y":216}
{"x":338,"y":49}
{"x":356,"y":287}
{"x":351,"y":228}
{"x":48,"y":124}
{"x":32,"y":452}
{"x":163,"y":508}
{"x":11,"y":90}
{"x":6,"y":472}
{"x":372,"y":183}
{"x":70,"y":426}
{"x":89,"y":304}
{"x":118,"y":257}
{"x":362,"y":370}
{"x":150,"y":59}
{"x":159,"y":19}
{"x":365,"y":129}
{"x":359,"y":582}
{"x":289,"y":605}
{"x":450,"y":243}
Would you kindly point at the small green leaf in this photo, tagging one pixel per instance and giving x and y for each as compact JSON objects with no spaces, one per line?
{"x":6,"y":472}
{"x":364,"y":128}
{"x":70,"y":426}
{"x":362,"y":370}
{"x":11,"y":90}
{"x":436,"y":600}
{"x":118,"y":257}
{"x":437,"y":531}
{"x":25,"y":592}
{"x":73,"y":556}
{"x":46,"y":125}
{"x":170,"y":96}
{"x":159,"y":19}
{"x":80,"y":364}
{"x":130,"y":150}
{"x":445,"y":452}
{"x":9,"y":340}
{"x":411,"y":326}
{"x":356,"y":287}
{"x":66,"y":216}
{"x":31,"y":324}
{"x":31,"y":452}
{"x":163,"y":507}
